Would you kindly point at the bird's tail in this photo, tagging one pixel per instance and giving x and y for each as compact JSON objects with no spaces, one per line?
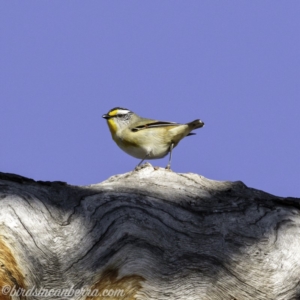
{"x":195,"y":124}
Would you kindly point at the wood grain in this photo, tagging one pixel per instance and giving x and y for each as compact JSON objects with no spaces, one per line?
{"x":153,"y":234}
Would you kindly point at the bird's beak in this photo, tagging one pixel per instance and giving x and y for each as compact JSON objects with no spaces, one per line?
{"x":106,"y":117}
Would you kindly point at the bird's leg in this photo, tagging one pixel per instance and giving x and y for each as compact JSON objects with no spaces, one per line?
{"x":137,"y":167}
{"x":143,"y":159}
{"x":168,"y":167}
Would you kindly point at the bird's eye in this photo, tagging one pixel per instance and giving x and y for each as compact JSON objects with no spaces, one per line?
{"x":123,"y":116}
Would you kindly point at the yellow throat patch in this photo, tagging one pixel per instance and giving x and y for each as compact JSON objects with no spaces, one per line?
{"x":111,"y":122}
{"x":112,"y":126}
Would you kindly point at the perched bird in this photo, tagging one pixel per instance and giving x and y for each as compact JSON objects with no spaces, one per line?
{"x":145,"y":138}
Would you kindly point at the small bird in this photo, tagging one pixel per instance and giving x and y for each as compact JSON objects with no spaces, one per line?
{"x":146,"y":138}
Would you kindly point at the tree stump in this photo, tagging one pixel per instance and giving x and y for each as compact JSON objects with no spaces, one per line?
{"x":147,"y":234}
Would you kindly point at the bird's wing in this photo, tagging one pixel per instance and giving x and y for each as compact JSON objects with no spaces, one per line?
{"x":155,"y":124}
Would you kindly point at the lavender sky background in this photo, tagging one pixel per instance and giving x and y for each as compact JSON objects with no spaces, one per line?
{"x":233,"y":64}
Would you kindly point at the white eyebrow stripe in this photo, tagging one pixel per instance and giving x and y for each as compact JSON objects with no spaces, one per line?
{"x":122,"y":111}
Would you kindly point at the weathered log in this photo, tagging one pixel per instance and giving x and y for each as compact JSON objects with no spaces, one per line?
{"x":147,"y":234}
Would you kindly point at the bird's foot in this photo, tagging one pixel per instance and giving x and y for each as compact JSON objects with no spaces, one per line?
{"x":139,"y":167}
{"x":168,"y":168}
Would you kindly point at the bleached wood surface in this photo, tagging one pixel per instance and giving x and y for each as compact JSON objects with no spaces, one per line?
{"x":152,"y":234}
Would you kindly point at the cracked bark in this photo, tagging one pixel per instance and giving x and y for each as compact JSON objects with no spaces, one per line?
{"x":154,"y":234}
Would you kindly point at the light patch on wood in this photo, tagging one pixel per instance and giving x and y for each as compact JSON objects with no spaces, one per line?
{"x":111,"y":287}
{"x":10,"y":274}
